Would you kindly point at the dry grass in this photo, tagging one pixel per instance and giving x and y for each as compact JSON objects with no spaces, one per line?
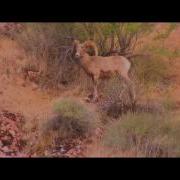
{"x":116,"y":98}
{"x":167,"y":32}
{"x":151,"y":71}
{"x":52,"y":56}
{"x":148,"y":135}
{"x":96,"y":149}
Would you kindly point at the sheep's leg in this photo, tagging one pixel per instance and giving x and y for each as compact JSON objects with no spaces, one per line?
{"x":131,"y":87}
{"x":95,"y":93}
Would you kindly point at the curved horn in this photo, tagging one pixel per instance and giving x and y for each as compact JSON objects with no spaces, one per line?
{"x":75,"y":42}
{"x":91,"y":44}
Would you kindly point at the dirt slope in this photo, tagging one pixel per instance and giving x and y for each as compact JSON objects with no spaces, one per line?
{"x":14,"y":94}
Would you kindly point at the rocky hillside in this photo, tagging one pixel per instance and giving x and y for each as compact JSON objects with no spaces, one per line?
{"x":24,"y":105}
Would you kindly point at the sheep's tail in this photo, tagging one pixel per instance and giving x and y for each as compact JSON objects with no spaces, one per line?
{"x":133,"y":56}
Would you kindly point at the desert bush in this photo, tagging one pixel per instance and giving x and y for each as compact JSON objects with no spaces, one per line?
{"x":48,"y":45}
{"x":152,"y":70}
{"x":116,"y":98}
{"x":72,"y":120}
{"x":146,"y":134}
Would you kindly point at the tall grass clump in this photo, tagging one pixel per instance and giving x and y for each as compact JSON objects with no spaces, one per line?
{"x":146,"y":134}
{"x":151,"y":71}
{"x":49,"y":45}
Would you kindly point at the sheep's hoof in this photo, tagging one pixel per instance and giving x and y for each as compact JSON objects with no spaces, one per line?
{"x":87,"y":99}
{"x":90,"y":96}
{"x":95,"y":100}
{"x":91,"y":100}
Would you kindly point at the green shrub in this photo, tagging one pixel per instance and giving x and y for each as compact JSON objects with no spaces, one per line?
{"x":147,"y":134}
{"x":72,"y":120}
{"x":70,"y":109}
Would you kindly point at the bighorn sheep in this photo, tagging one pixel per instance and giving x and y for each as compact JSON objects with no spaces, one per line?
{"x":98,"y":67}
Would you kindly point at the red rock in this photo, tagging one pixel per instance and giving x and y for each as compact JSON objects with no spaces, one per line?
{"x":5,"y":149}
{"x":21,"y":155}
{"x":11,"y":134}
{"x":1,"y":144}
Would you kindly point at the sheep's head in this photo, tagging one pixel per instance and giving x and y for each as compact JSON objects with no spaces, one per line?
{"x":78,"y":49}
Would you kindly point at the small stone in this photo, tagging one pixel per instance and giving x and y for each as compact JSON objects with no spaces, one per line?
{"x":46,"y":152}
{"x":34,"y":87}
{"x":12,"y":133}
{"x":62,"y":150}
{"x":20,"y":82}
{"x":21,"y":155}
{"x":5,"y":149}
{"x":87,"y":99}
{"x":1,"y":144}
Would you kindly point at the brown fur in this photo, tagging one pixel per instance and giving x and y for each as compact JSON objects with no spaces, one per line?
{"x":98,"y":67}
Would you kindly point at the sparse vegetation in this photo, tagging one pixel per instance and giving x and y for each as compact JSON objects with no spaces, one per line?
{"x":165,"y":34}
{"x":38,"y":65}
{"x":161,"y":51}
{"x":146,"y":134}
{"x":151,"y":70}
